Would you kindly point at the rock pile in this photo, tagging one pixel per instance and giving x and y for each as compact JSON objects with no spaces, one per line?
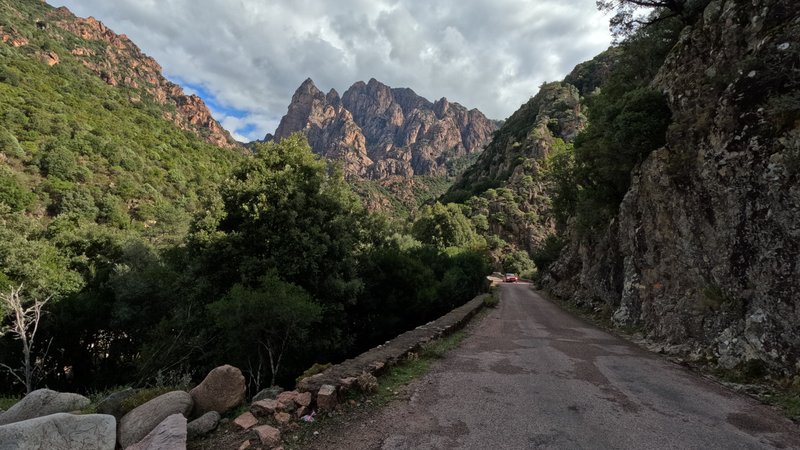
{"x":46,"y":419}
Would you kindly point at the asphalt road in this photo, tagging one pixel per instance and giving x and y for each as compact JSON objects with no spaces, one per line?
{"x":532,"y":376}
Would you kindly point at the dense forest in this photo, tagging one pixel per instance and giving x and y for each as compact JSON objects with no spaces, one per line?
{"x":161,"y":256}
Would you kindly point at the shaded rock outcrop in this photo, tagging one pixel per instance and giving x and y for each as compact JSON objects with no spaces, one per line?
{"x":138,"y":423}
{"x":704,"y":251}
{"x":379,"y":132}
{"x":170,"y":434}
{"x":222,"y":389}
{"x":60,"y":431}
{"x":43,"y":402}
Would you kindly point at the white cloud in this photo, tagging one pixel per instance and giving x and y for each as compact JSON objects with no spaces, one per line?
{"x":252,"y":55}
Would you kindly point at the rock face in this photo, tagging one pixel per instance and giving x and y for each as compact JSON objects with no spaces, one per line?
{"x":138,"y":423}
{"x":378,"y":131}
{"x":170,"y":434}
{"x":515,"y":160}
{"x":222,"y":389}
{"x":119,"y":62}
{"x":43,"y":402}
{"x":704,"y":251}
{"x":60,"y":431}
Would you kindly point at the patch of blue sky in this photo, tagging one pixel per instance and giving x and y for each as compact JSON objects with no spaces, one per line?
{"x":238,"y":122}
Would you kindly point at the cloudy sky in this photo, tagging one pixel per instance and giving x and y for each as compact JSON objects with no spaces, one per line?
{"x":247,"y":57}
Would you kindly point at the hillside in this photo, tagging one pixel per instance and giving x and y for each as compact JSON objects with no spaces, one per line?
{"x":111,"y":57}
{"x":127,"y":208}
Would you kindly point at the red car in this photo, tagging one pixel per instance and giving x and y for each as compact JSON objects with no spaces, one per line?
{"x":510,"y":278}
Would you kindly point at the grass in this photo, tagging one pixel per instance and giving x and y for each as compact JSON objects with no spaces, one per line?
{"x":414,"y":367}
{"x":491,"y":300}
{"x":8,"y":402}
{"x":788,"y":402}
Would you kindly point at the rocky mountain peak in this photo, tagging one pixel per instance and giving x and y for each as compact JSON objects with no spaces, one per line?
{"x":308,"y":87}
{"x":333,"y":97}
{"x":403,"y":133}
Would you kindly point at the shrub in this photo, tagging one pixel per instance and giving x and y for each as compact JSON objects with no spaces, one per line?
{"x":12,"y":192}
{"x":143,"y":396}
{"x":313,"y":370}
{"x":549,"y":252}
{"x":59,"y":162}
{"x":367,"y":383}
{"x":491,"y":300}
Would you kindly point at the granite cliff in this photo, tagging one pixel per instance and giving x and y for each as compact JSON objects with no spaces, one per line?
{"x":703,"y":254}
{"x":380,"y":132}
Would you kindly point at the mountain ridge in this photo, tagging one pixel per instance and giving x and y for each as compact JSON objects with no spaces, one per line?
{"x":379,"y":131}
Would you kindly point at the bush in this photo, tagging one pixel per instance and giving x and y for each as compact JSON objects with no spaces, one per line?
{"x":9,"y":145}
{"x":491,"y":300}
{"x":12,"y":191}
{"x":143,"y":396}
{"x":548,"y":253}
{"x":59,"y":162}
{"x":313,"y":370}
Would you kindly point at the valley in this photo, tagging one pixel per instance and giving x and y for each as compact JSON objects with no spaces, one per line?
{"x":654,"y":188}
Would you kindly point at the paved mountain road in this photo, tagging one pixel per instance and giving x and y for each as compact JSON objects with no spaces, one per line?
{"x":532,"y":376}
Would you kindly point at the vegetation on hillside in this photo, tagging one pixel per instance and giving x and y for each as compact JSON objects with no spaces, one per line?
{"x":166,"y":255}
{"x":564,"y":160}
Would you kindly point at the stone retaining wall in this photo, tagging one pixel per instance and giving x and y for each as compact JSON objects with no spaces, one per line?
{"x":374,"y":361}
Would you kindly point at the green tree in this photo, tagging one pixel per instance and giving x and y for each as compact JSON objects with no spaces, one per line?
{"x":621,"y":133}
{"x":13,"y":192}
{"x":444,"y":226}
{"x":631,"y":15}
{"x":285,"y":211}
{"x":262,"y":325}
{"x":59,"y":162}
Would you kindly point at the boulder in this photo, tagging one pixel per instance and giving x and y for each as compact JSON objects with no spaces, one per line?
{"x":203,"y":425}
{"x":303,"y":399}
{"x":268,"y":393}
{"x":61,"y":431}
{"x":264,"y":407}
{"x":282,"y":418}
{"x":43,"y":402}
{"x":246,"y":421}
{"x":113,"y":403}
{"x":286,"y":397}
{"x":222,"y":390}
{"x":326,"y":398}
{"x":170,"y":434}
{"x":269,"y":435}
{"x":138,"y":423}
